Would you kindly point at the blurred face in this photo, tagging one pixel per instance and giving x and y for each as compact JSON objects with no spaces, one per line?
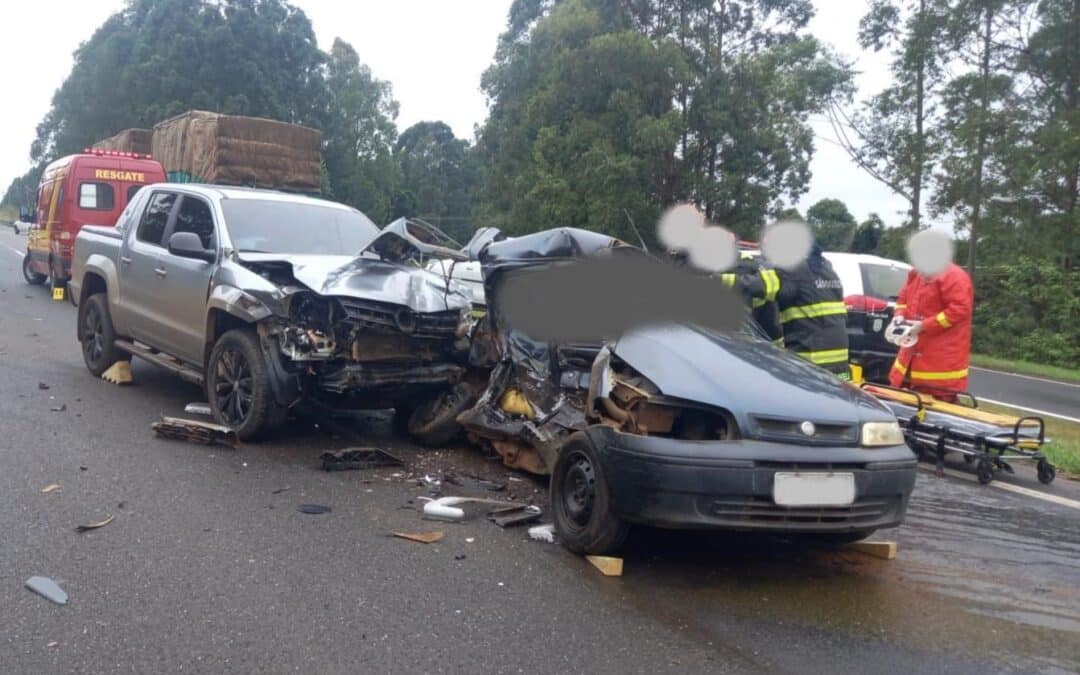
{"x":786,"y":244}
{"x":930,"y":252}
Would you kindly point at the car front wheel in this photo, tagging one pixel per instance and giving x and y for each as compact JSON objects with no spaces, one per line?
{"x":581,"y":501}
{"x":238,"y":386}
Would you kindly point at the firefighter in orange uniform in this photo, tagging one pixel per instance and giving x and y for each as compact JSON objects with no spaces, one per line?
{"x":939,"y":297}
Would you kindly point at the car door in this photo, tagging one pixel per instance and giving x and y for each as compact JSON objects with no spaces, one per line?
{"x":141,"y":273}
{"x":186,"y":281}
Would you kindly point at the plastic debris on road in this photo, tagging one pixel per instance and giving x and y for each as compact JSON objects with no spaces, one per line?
{"x":195,"y":431}
{"x":198,"y":409}
{"x":52,"y":487}
{"x":356,"y":459}
{"x":515,"y":515}
{"x":93,"y":526}
{"x":543,"y":533}
{"x":449,"y":508}
{"x":421,"y":537}
{"x":48,"y":589}
{"x":313,"y":509}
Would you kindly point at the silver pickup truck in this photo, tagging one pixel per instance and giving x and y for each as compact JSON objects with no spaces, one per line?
{"x":267,"y":299}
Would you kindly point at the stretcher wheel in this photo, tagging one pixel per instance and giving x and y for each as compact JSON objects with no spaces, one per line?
{"x":985,"y":471}
{"x":968,"y":459}
{"x":1046,"y":472}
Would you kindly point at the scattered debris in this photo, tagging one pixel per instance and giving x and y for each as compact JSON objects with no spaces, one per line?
{"x":59,"y":408}
{"x":52,"y":487}
{"x":198,"y":409}
{"x":313,"y":508}
{"x":48,"y":589}
{"x":54,"y":643}
{"x":93,"y":526}
{"x":42,"y":385}
{"x":608,"y":566}
{"x":422,"y":537}
{"x":543,"y":533}
{"x":355,"y":459}
{"x":515,"y":515}
{"x":195,"y":431}
{"x":459,"y":556}
{"x":468,"y":480}
{"x":83,"y":468}
{"x":886,"y":550}
{"x":447,"y":508}
{"x":118,"y":373}
{"x":279,"y":491}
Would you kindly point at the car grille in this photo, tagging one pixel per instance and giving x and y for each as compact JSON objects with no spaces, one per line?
{"x":787,"y":430}
{"x":402,"y":319}
{"x":761,"y":510}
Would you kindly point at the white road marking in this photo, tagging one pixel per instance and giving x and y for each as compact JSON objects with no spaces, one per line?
{"x":1026,"y":377}
{"x":1009,"y":487}
{"x":1032,"y":410}
{"x":14,"y":250}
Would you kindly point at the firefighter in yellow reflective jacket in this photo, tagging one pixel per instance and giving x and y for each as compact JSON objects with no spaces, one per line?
{"x":747,"y":279}
{"x":812,"y":312}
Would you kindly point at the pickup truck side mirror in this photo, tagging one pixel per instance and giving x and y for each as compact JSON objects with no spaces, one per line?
{"x":188,"y":245}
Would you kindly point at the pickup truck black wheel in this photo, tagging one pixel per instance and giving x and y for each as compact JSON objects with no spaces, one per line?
{"x":238,"y":386}
{"x":97,"y":336}
{"x":33,"y":278}
{"x":581,"y":501}
{"x":434,"y":422}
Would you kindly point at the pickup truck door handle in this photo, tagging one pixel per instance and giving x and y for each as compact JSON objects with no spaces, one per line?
{"x":124,"y":260}
{"x":160,"y":271}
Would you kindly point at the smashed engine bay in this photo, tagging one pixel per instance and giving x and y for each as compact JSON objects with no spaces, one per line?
{"x":365,"y":329}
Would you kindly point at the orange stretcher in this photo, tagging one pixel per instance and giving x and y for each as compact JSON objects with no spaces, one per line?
{"x":934,"y":427}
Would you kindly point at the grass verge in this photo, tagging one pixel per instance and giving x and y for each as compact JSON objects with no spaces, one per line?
{"x":1026,"y":368}
{"x":1063,"y":450}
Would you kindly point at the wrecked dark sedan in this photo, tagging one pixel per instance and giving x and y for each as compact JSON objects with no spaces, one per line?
{"x":267,"y":299}
{"x":686,"y":418}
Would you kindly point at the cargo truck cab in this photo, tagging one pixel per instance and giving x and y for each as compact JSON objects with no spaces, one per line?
{"x":91,"y":188}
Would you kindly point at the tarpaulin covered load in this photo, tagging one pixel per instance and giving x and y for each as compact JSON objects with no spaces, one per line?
{"x":128,"y":140}
{"x":206,"y":147}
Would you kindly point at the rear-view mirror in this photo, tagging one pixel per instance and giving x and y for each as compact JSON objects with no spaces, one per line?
{"x":189,"y":245}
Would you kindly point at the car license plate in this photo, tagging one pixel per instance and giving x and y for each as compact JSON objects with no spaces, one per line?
{"x":813,"y":489}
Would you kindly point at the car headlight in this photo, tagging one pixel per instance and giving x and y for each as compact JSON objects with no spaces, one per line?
{"x":882,"y":433}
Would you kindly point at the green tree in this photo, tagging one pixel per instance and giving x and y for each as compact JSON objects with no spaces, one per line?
{"x":890,"y":136}
{"x":438,"y":174}
{"x":832,"y":223}
{"x":868,"y":235}
{"x":359,"y":135}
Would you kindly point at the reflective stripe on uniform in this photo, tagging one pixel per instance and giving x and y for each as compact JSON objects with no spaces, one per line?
{"x":779,"y":342}
{"x":772,"y":284}
{"x":943,"y":320}
{"x":931,"y":374}
{"x":813,"y":311}
{"x":825,"y":356}
{"x":728,"y":279}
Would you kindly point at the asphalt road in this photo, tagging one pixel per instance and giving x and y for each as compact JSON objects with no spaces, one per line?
{"x":208,"y":566}
{"x":1040,"y":395}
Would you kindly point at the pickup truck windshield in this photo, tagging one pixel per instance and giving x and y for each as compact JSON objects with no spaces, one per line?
{"x":272,"y":226}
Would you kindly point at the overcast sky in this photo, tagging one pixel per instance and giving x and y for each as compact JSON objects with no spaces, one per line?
{"x":432,"y":51}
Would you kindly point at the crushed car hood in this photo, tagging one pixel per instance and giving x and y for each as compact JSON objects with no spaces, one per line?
{"x":743,"y":375}
{"x":369,"y":279}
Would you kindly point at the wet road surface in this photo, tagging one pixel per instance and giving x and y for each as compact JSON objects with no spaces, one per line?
{"x":1038,"y":394}
{"x":208,"y":566}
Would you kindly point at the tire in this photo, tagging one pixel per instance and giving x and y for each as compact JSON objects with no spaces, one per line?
{"x":434,"y":422}
{"x":1046,"y":472}
{"x":33,"y":278}
{"x":238,"y":386}
{"x":97,"y":335}
{"x":581,"y":501}
{"x":984,"y":471}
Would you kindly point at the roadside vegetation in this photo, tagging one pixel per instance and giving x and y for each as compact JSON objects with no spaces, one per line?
{"x":1064,"y":449}
{"x":1026,"y":368}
